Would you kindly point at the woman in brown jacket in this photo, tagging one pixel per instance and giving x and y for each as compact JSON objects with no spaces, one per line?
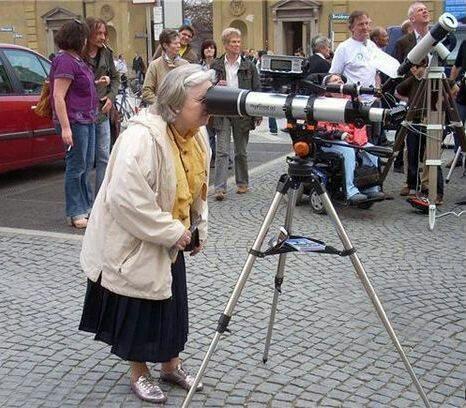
{"x":159,"y":68}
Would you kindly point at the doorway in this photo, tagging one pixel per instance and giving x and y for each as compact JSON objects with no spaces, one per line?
{"x":293,"y":32}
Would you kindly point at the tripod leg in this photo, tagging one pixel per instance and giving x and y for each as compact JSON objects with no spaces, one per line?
{"x":280,"y":269}
{"x":361,"y":273}
{"x":453,"y":165}
{"x":282,"y":188}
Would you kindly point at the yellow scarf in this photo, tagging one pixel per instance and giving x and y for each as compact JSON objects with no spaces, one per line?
{"x":191,"y":175}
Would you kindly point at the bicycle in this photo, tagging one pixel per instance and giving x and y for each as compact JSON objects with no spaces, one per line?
{"x":125,"y":108}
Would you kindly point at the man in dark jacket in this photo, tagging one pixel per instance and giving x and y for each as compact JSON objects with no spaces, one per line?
{"x":419,"y":16}
{"x":100,"y":57}
{"x":318,"y":61}
{"x":235,"y":71}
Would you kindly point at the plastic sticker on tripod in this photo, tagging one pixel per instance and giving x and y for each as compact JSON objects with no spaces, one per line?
{"x":305,"y":245}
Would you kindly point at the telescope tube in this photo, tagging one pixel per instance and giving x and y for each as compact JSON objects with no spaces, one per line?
{"x":225,"y":101}
{"x":446,"y":24}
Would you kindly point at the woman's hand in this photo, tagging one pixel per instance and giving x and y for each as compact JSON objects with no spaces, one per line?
{"x":107,"y":105}
{"x":197,"y":249}
{"x":67,"y":137}
{"x":103,"y":80}
{"x":184,"y":240}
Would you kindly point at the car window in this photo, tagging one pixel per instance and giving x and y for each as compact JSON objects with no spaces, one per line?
{"x":47,"y":65}
{"x":28,"y":68}
{"x":5,"y":84}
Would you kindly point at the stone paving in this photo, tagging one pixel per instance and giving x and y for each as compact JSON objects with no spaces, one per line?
{"x":329,"y":348}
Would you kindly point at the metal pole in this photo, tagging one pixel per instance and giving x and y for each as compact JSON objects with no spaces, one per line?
{"x":149,"y":32}
{"x":292,"y":196}
{"x":362,"y":275}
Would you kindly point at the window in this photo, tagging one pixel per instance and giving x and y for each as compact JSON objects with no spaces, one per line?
{"x":5,"y":84}
{"x":28,"y":68}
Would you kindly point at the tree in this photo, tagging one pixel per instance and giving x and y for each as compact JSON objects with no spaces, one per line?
{"x":200,"y":14}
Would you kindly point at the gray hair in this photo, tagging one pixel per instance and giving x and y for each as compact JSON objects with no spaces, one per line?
{"x":318,"y":42}
{"x":172,"y":92}
{"x":228,"y":33}
{"x":413,"y":7}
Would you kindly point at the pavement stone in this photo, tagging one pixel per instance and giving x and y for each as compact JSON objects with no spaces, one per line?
{"x":328,"y":348}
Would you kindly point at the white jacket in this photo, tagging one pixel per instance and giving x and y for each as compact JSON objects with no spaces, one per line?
{"x":131,"y":228}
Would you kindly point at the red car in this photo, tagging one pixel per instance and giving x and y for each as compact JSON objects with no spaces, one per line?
{"x":25,"y":138}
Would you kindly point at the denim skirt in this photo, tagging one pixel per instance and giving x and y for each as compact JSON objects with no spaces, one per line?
{"x":139,"y":330}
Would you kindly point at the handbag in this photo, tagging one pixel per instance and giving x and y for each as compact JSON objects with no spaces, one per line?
{"x":43,"y":107}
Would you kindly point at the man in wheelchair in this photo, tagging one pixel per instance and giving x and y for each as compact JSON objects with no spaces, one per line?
{"x":355,"y":161}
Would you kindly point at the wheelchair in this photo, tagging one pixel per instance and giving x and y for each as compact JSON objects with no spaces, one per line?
{"x":331,"y":170}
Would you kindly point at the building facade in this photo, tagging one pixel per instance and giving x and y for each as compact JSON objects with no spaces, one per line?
{"x":36,"y":21}
{"x":285,"y":26}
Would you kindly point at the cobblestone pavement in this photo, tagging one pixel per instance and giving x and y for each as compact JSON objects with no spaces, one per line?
{"x":329,"y":348}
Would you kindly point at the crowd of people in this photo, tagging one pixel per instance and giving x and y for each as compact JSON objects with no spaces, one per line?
{"x":149,"y":202}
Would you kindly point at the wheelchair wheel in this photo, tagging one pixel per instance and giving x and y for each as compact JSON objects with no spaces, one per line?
{"x":316,"y":203}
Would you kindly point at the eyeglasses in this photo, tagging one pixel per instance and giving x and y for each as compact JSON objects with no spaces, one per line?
{"x":186,"y":35}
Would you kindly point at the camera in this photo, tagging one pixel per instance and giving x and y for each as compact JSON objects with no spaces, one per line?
{"x":281,"y":73}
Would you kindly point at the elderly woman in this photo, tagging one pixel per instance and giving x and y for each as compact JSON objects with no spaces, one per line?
{"x":154,"y":193}
{"x":160,"y":67}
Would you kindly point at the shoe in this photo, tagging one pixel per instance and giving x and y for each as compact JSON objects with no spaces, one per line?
{"x":242,"y":190}
{"x":220,"y":195}
{"x":146,"y":389}
{"x":80,"y":223}
{"x":357,"y":198}
{"x":180,"y":377}
{"x":404,"y":191}
{"x":439,"y":199}
{"x":274,"y":133}
{"x":375,"y":194}
{"x":398,"y":169}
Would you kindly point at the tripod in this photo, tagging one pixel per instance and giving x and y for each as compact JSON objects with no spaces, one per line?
{"x":299,"y":171}
{"x":434,"y":82}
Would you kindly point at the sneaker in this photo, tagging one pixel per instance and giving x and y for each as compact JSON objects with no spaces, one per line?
{"x":181,"y":378}
{"x":274,"y":133}
{"x":357,"y":198}
{"x":146,"y":389}
{"x":220,"y":195}
{"x":375,"y":194}
{"x":242,"y":190}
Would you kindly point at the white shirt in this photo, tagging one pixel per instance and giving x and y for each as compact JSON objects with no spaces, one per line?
{"x":353,"y":59}
{"x":321,"y":55}
{"x":231,"y":71}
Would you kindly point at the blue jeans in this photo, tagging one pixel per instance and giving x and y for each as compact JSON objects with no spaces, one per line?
{"x":349,"y":159}
{"x":79,"y":161}
{"x":102,"y":151}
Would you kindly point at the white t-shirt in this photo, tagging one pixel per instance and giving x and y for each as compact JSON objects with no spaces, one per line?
{"x":231,"y":71}
{"x":353,"y":59}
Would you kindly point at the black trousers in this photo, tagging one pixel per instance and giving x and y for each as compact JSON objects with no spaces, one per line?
{"x":416,"y":146}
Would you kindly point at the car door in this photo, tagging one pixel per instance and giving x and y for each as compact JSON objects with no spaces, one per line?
{"x":15,"y":130}
{"x":31,"y":71}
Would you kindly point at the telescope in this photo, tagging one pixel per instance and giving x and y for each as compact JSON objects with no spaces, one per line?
{"x":225,"y":101}
{"x":446,"y":24}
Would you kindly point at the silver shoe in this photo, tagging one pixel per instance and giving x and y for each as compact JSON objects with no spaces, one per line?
{"x":180,"y":377}
{"x":147,"y":390}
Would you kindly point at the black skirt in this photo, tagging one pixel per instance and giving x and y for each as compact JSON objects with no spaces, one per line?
{"x":139,"y":329}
